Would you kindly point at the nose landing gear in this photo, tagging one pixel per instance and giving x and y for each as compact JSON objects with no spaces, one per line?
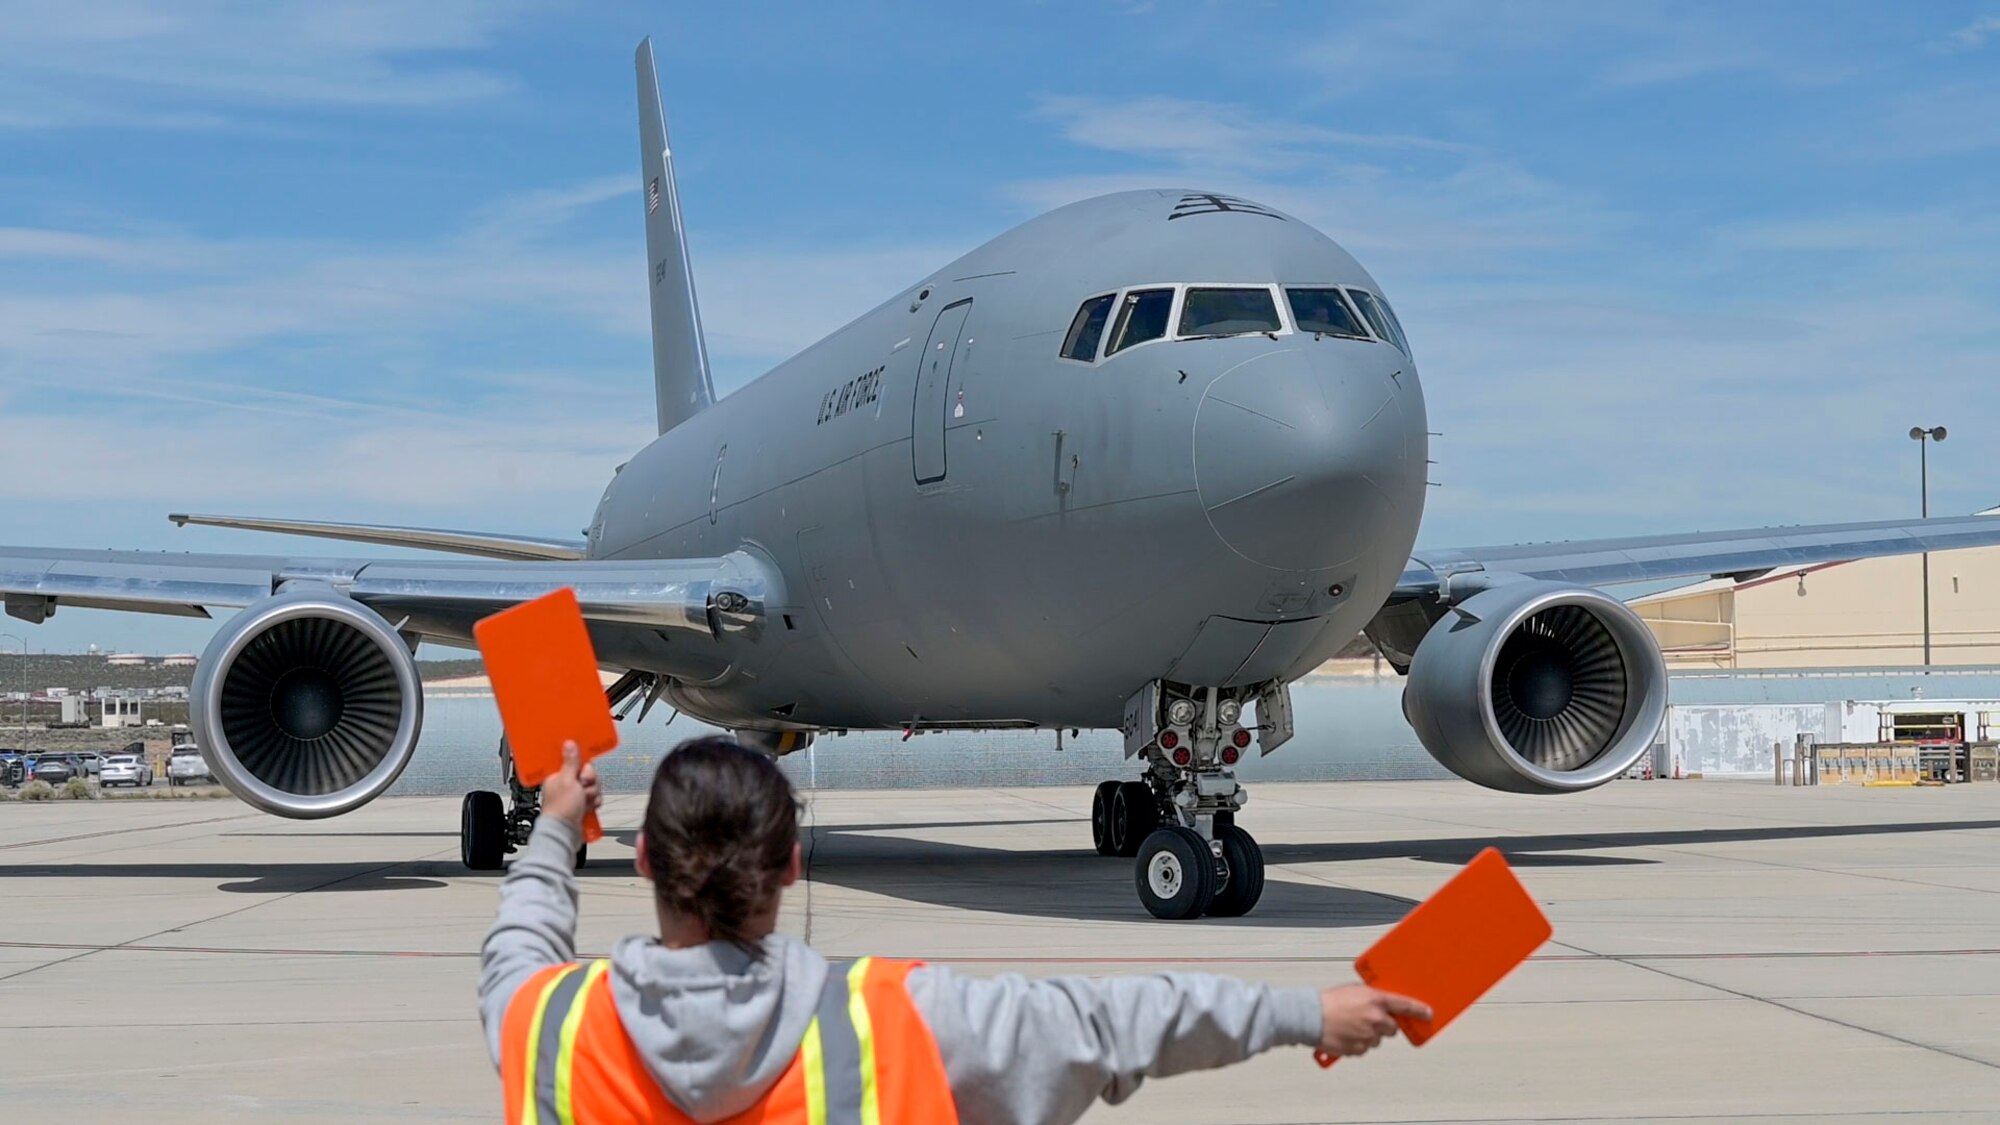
{"x":1179,"y":823}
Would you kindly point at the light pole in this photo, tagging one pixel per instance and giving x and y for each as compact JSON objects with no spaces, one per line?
{"x":1923,"y":438}
{"x":24,"y":675}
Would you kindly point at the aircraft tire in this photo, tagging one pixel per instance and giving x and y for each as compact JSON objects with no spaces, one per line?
{"x":1245,"y":861}
{"x":1100,"y":818}
{"x":482,"y":831}
{"x":1175,"y":873}
{"x":1134,"y":815}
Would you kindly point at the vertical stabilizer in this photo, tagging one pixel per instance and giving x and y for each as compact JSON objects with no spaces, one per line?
{"x":681,"y":384}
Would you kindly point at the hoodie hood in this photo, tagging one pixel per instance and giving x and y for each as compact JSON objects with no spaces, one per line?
{"x":716,"y":1027}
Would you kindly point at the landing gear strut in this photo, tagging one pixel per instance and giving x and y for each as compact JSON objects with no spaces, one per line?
{"x":1178,"y":823}
{"x":489,"y":827}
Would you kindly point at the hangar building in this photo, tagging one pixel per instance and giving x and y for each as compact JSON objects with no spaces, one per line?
{"x":1865,"y":614}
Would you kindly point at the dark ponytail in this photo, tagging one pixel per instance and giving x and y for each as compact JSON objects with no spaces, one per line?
{"x":720,"y":827}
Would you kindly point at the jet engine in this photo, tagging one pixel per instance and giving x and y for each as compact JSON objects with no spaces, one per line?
{"x":1537,"y":687}
{"x":307,"y":704}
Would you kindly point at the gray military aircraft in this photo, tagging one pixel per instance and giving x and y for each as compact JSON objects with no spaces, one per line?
{"x":1139,"y":463}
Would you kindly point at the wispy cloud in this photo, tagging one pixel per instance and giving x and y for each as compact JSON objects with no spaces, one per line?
{"x":1202,"y":132}
{"x":1615,"y":45}
{"x":1974,"y":35}
{"x":203,"y":63}
{"x":1425,"y":202}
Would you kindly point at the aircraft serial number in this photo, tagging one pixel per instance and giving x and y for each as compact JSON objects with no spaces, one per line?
{"x":851,"y":395}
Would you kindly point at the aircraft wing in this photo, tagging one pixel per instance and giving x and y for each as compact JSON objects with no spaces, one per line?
{"x":1737,"y":554}
{"x":482,"y":543}
{"x":443,"y":597}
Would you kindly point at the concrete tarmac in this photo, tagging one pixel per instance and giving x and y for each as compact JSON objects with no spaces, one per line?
{"x":1724,"y":952}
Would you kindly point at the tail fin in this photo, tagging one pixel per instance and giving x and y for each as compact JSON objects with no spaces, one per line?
{"x":681,"y":384}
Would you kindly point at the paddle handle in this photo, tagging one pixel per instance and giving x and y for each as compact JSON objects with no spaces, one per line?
{"x":1325,"y":1060}
{"x":592,"y":830}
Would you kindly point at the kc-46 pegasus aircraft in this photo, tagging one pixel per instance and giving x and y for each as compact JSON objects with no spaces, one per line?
{"x":1139,"y":463}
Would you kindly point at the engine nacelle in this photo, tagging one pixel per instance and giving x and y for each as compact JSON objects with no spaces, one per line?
{"x":307,"y":704}
{"x":1537,"y":687}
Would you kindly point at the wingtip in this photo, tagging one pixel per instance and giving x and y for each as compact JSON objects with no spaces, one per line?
{"x":178,"y":519}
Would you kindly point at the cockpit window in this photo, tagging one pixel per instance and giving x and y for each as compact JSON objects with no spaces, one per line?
{"x":1380,"y":318}
{"x":1228,"y":312}
{"x":1142,"y":316}
{"x":1324,"y":311}
{"x":1087,"y":329}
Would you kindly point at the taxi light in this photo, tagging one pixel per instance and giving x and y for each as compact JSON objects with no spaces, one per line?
{"x":1230,"y":754}
{"x":1241,"y":738}
{"x":1169,"y":739}
{"x":1182,"y":757}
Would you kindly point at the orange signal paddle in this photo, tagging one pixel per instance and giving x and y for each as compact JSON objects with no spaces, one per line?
{"x":544,"y":673}
{"x":1455,"y":945}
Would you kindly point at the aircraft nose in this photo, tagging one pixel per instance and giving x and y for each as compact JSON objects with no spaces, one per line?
{"x":1301,"y":457}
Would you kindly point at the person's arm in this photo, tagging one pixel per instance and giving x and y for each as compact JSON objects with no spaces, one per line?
{"x":536,"y":926}
{"x":1019,"y":1050}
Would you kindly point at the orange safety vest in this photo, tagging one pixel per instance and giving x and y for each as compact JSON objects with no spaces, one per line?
{"x":867,"y":1057}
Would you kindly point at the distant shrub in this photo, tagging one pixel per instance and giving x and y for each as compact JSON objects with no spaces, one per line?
{"x":77,"y":789}
{"x":38,"y":791}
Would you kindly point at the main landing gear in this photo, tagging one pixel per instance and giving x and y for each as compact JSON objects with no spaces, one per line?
{"x":1178,"y":823}
{"x":490,"y":827}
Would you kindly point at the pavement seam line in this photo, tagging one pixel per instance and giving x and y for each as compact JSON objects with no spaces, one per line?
{"x":1782,"y":1006}
{"x":218,"y":917}
{"x":123,"y":831}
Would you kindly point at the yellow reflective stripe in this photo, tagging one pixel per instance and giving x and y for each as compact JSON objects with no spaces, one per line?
{"x":529,"y":1113}
{"x":814,"y":1061}
{"x":864,"y":1034}
{"x":566,"y":1053}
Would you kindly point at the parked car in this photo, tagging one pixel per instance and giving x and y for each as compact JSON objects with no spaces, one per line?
{"x":92,"y":761}
{"x":126,"y":769}
{"x":186,"y":766}
{"x":57,"y":769}
{"x":13,"y":770}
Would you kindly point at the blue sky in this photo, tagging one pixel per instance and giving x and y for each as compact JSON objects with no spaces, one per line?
{"x":1665,"y":266}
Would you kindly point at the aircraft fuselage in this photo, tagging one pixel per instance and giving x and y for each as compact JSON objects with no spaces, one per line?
{"x":975,"y":530}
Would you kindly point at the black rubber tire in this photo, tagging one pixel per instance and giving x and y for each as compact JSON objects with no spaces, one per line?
{"x":1100,"y":818}
{"x":1245,"y":861}
{"x":1135,"y":813}
{"x":482,"y":831}
{"x":1175,"y":874}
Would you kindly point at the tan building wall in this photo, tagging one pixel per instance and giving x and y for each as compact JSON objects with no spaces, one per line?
{"x":1859,"y":614}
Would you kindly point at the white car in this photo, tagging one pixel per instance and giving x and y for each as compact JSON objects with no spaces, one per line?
{"x":125,"y":769}
{"x":186,"y":766}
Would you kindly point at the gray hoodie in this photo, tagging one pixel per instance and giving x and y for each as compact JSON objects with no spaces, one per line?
{"x":718,"y":1027}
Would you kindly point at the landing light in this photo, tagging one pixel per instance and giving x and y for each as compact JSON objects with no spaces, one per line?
{"x":1180,"y":712}
{"x":1228,"y":711}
